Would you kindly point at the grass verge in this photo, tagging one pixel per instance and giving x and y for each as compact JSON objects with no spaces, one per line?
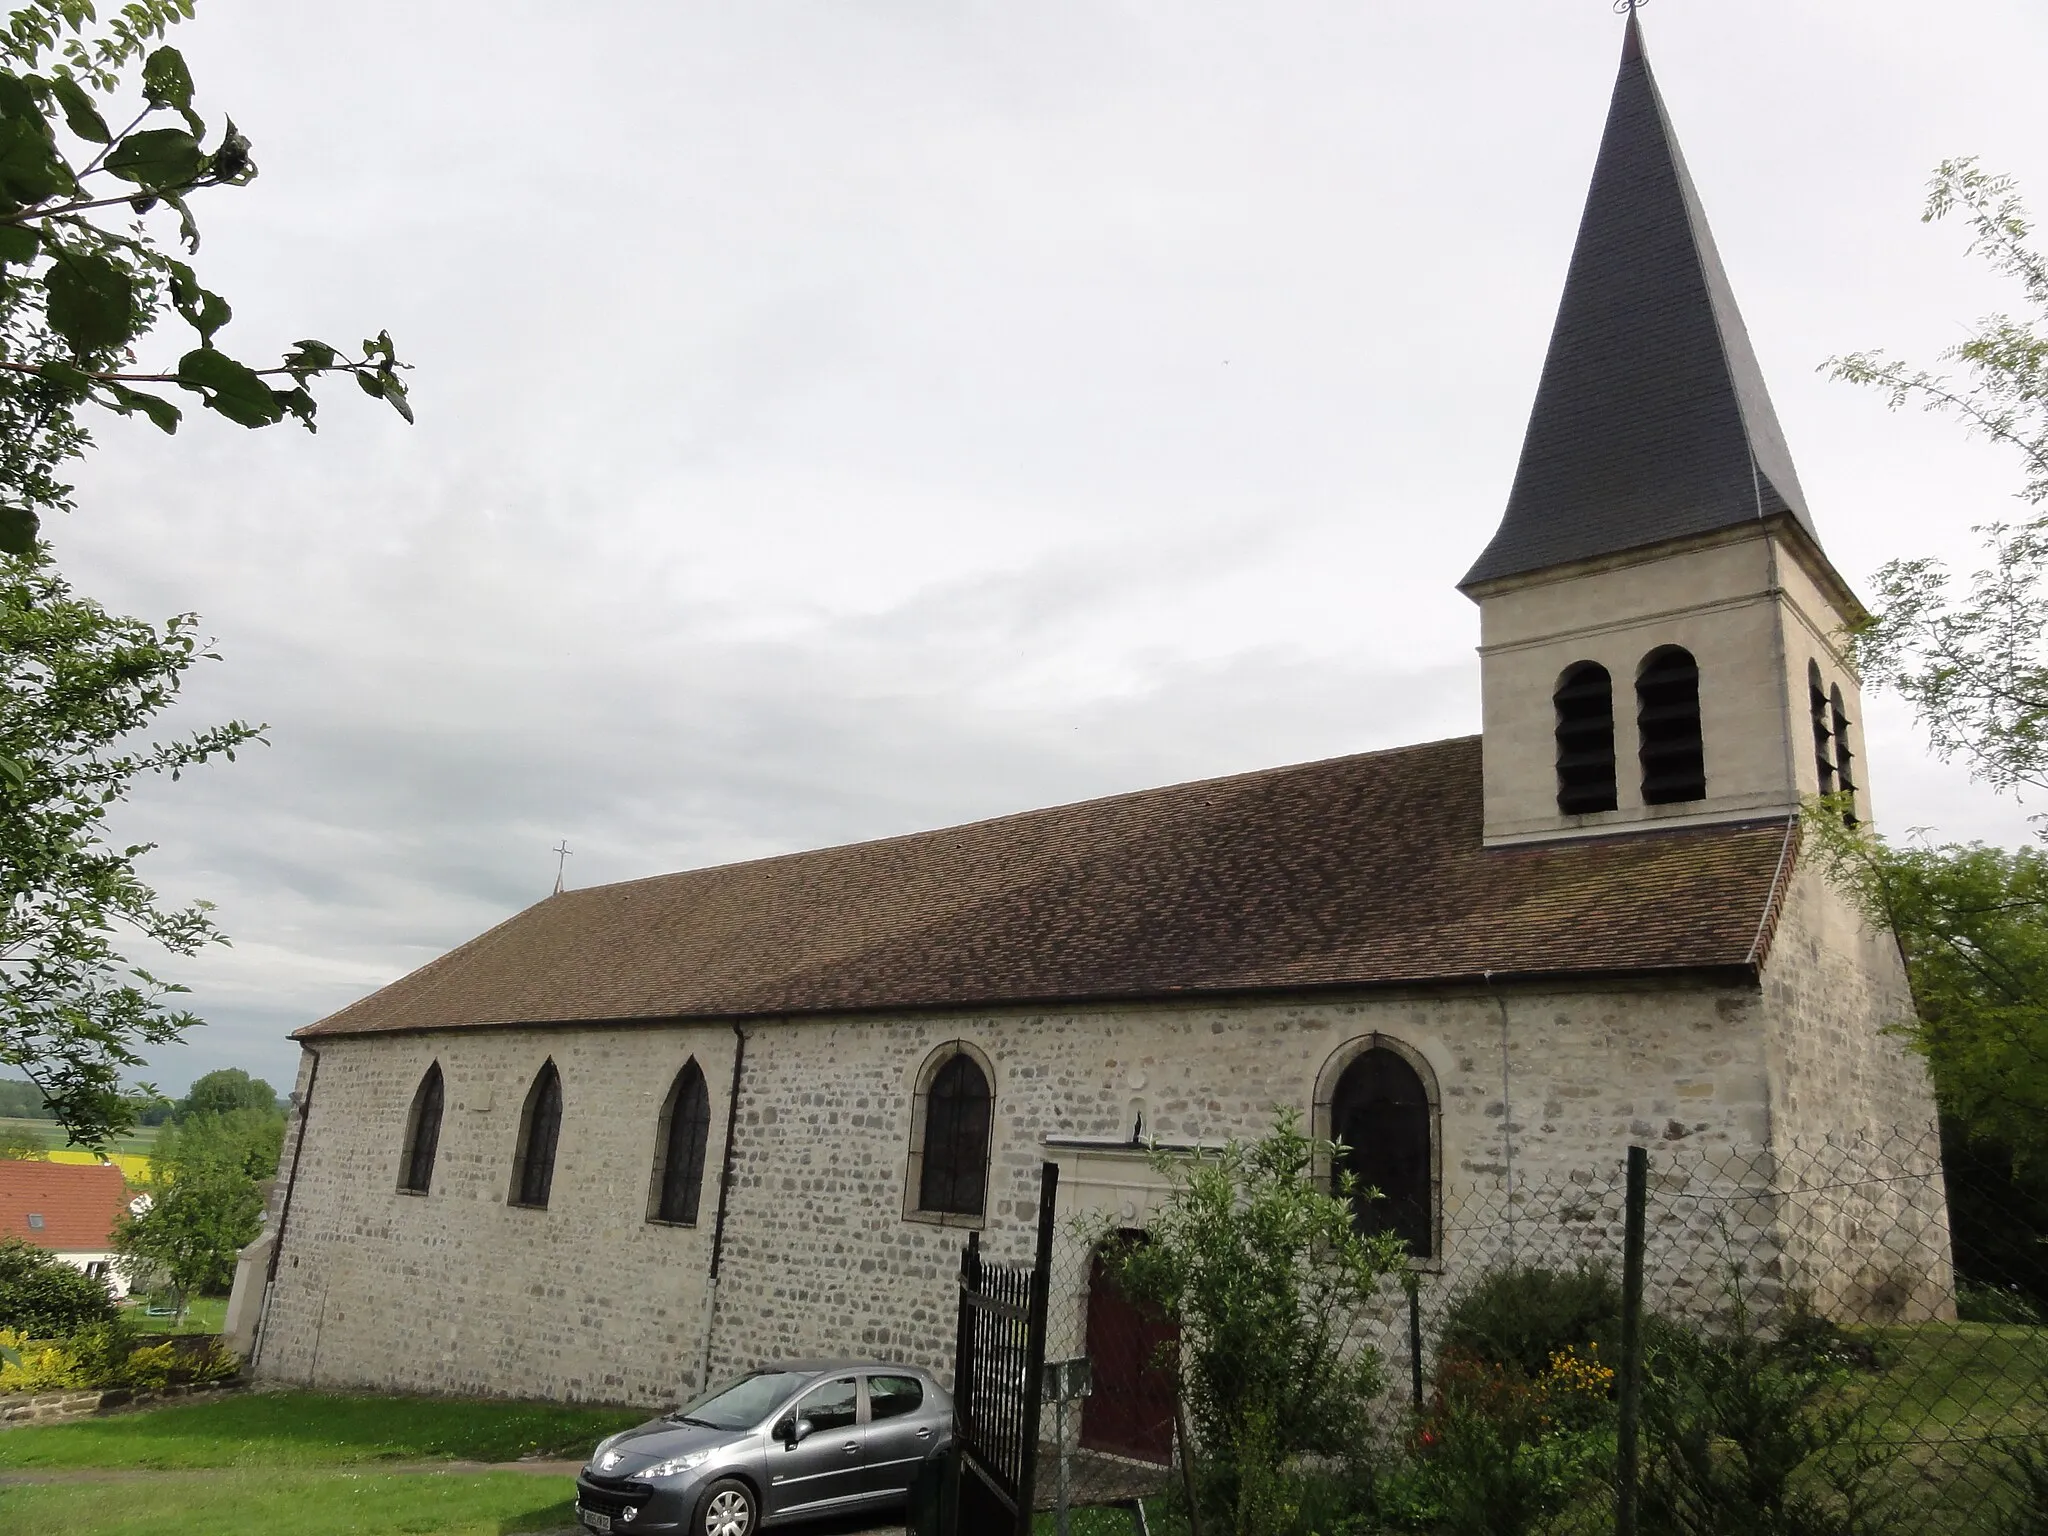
{"x":246,"y":1502}
{"x":312,"y":1429}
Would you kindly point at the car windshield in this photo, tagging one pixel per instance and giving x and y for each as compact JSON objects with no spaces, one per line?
{"x":744,"y":1403}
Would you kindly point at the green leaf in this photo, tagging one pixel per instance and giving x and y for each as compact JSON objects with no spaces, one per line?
{"x":92,"y":301}
{"x":309,"y":357}
{"x":231,"y":388}
{"x":19,"y":244}
{"x":393,"y":389}
{"x":188,"y":228}
{"x":300,"y":403}
{"x":204,"y":311}
{"x":80,"y":115}
{"x":75,"y":382}
{"x":158,"y":157}
{"x":159,"y":410}
{"x":18,"y":772}
{"x":166,"y":82}
{"x":232,"y":162}
{"x":30,"y":169}
{"x":18,"y":529}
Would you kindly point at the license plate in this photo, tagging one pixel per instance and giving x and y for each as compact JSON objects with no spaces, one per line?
{"x":602,"y":1524}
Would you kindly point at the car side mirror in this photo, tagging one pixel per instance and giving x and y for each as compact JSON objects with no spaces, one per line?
{"x":792,"y":1432}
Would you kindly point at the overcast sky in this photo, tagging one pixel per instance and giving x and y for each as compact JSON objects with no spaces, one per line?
{"x":844,"y":417}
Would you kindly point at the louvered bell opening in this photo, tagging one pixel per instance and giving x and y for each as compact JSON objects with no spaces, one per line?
{"x":1845,"y":760}
{"x":1585,"y":740}
{"x":1823,"y":741}
{"x":1668,"y":725}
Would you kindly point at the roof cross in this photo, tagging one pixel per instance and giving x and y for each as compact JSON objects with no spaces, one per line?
{"x":561,"y":863}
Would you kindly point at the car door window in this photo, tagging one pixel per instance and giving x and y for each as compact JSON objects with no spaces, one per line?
{"x":832,"y":1406}
{"x":891,"y":1397}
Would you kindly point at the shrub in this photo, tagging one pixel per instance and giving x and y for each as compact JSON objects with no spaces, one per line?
{"x":40,"y":1367}
{"x":102,"y":1350}
{"x":1261,"y":1265}
{"x":1520,"y":1316}
{"x":45,"y":1298}
{"x":152,"y":1367}
{"x":1497,"y":1454}
{"x":1744,"y":1434}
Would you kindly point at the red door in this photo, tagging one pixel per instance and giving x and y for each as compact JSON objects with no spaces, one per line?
{"x":1130,"y":1411}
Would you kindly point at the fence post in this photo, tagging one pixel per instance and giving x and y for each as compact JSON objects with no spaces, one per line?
{"x":1413,"y":1283}
{"x":1034,"y":1345}
{"x":1630,"y":1387}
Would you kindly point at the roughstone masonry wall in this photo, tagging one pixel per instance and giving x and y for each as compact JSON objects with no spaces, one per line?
{"x":457,"y":1292}
{"x":1854,"y":1138}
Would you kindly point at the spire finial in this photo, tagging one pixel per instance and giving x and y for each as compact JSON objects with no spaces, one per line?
{"x":1632,"y":39}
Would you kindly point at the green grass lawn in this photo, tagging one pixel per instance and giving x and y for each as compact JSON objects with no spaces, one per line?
{"x":249,"y":1502}
{"x":203,"y":1314}
{"x":313,"y":1429}
{"x":304,"y":1462}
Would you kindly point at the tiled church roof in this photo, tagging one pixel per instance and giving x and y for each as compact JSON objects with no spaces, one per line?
{"x":1357,"y":871}
{"x":1652,"y":421}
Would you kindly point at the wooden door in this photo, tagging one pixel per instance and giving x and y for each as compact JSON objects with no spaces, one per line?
{"x":1130,"y":1411}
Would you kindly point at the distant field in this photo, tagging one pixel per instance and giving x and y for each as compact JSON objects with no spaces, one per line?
{"x":130,"y":1152}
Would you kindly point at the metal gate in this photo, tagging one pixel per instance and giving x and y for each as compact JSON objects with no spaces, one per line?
{"x":998,"y":1358}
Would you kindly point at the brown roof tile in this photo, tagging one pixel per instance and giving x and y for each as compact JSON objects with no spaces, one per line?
{"x":78,"y":1203}
{"x":1356,"y":871}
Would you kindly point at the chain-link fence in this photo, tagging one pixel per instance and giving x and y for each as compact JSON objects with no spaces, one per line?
{"x":1792,"y":1353}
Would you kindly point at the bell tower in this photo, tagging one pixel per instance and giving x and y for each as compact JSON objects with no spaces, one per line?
{"x":1660,"y":627}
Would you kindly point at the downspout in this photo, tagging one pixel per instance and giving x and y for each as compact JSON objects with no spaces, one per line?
{"x":284,"y":1211}
{"x":732,"y":1119}
{"x":1507,"y":1112}
{"x":1776,"y":593}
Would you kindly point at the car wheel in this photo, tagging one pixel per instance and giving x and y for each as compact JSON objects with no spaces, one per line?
{"x":727,"y":1509}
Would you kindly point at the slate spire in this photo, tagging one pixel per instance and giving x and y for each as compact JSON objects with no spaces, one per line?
{"x":1651,"y":421}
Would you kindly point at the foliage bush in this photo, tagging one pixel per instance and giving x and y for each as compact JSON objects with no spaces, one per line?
{"x":36,"y":1367}
{"x":1259,"y":1261}
{"x":1521,"y":1316}
{"x":1746,"y":1435}
{"x":1497,"y":1453}
{"x":45,"y":1298}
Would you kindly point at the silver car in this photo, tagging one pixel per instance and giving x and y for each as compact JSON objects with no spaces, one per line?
{"x":782,"y":1443}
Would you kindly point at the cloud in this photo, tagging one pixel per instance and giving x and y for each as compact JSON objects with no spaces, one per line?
{"x":837,"y":420}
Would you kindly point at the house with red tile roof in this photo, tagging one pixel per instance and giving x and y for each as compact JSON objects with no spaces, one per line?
{"x":71,"y":1209}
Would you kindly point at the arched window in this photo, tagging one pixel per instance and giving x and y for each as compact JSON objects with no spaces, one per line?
{"x":422,"y":1135}
{"x":1585,"y":739}
{"x":952,"y":1148}
{"x":1845,"y":760}
{"x":1823,"y":735}
{"x":1380,"y":1113}
{"x":540,"y":1127}
{"x":680,"y":1139}
{"x":1668,"y":726}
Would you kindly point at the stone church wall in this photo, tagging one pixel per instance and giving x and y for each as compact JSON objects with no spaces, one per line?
{"x":456,"y":1292}
{"x":1853,"y":1117}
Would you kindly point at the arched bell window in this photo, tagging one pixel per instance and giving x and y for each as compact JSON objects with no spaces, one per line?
{"x":1845,"y":760}
{"x":681,"y":1136}
{"x":953,"y":1118}
{"x":540,"y":1127}
{"x":1382,"y":1117}
{"x":1823,"y":730}
{"x":1585,"y":739}
{"x":1672,"y":756}
{"x":422,"y":1135}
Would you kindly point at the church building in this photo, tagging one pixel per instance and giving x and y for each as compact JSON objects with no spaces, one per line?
{"x":651,"y":1132}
